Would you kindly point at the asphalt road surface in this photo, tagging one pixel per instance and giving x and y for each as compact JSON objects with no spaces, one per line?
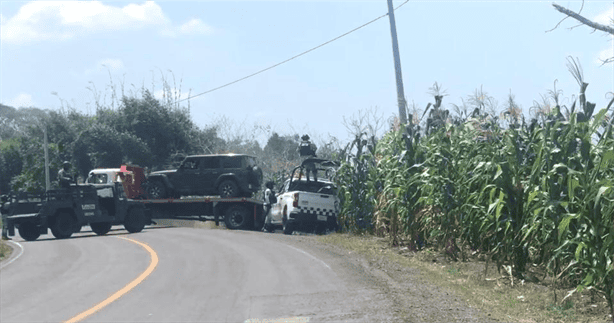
{"x":185,"y":275}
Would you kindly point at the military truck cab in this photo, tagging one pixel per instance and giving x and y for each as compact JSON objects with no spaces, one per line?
{"x":65,"y":211}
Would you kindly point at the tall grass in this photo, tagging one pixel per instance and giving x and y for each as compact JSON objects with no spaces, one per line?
{"x":528,"y":193}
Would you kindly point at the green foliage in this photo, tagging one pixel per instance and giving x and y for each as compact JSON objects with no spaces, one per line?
{"x":356,"y":191}
{"x":164,"y":129}
{"x":539,"y":192}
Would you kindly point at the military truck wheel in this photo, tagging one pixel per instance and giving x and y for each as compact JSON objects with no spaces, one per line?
{"x":156,"y":190}
{"x":29,"y":231}
{"x":228,"y":188}
{"x":236,"y":217}
{"x":63,"y":226}
{"x":101,"y":228}
{"x":135,"y":220}
{"x":287,"y":226}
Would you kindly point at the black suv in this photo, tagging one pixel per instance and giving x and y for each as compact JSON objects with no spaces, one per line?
{"x":228,"y":175}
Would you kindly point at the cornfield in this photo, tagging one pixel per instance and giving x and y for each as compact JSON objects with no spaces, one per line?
{"x":538,"y":192}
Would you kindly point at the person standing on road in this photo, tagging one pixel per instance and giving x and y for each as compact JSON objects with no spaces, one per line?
{"x":269,"y":200}
{"x":64,"y":177}
{"x":4,"y":212}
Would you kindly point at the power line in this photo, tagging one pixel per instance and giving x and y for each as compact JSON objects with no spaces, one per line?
{"x":291,"y":58}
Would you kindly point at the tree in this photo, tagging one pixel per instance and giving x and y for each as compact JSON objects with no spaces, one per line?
{"x":587,"y":22}
{"x":103,"y":146}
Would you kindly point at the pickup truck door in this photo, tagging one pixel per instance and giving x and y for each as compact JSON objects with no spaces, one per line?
{"x":276,"y":209}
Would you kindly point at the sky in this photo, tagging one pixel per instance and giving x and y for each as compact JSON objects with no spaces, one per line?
{"x":60,"y":53}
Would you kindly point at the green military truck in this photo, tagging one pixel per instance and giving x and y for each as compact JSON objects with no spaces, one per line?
{"x":65,"y":211}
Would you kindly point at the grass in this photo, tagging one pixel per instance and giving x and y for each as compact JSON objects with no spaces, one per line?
{"x":5,"y":249}
{"x":493,"y":292}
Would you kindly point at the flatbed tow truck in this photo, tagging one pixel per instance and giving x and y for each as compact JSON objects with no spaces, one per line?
{"x":237,"y":212}
{"x":65,"y":211}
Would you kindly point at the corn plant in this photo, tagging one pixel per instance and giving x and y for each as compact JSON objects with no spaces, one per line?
{"x":355,"y":190}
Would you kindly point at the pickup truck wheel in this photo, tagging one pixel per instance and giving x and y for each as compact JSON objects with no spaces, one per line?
{"x":29,"y":231}
{"x":63,"y":226}
{"x":287,"y":226}
{"x":320,"y":228}
{"x":101,"y":228}
{"x":236,"y":218}
{"x":135,"y":220}
{"x":228,"y":188}
{"x":156,"y":190}
{"x":332,"y":225}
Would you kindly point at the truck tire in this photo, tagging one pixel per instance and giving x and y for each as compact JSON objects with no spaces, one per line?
{"x":135,"y":220}
{"x":156,"y":190}
{"x":228,"y":188}
{"x":63,"y":226}
{"x":29,"y":231}
{"x":236,"y":217}
{"x":287,"y":226}
{"x":101,"y":228}
{"x":332,"y":224}
{"x":321,"y":228}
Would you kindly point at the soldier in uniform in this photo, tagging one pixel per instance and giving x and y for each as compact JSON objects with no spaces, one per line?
{"x":64,"y":176}
{"x":4,"y":211}
{"x":307,"y":151}
{"x":269,"y":200}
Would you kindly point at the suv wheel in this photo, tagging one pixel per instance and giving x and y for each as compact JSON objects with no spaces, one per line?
{"x":228,"y":188}
{"x":156,"y":190}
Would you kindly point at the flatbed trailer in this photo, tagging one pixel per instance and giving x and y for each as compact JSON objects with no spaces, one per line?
{"x":236,"y":212}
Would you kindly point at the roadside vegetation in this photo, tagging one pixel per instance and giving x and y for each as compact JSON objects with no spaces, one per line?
{"x":133,"y":128}
{"x":533,"y":198}
{"x":505,"y":206}
{"x":5,"y":249}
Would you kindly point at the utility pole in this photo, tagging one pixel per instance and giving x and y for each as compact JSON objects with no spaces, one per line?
{"x":397,"y":65}
{"x":46,"y":149}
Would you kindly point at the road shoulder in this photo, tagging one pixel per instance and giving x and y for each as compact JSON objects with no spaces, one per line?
{"x":413,"y":298}
{"x":6,"y":252}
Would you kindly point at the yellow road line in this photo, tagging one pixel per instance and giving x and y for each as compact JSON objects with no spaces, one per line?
{"x":125,"y":289}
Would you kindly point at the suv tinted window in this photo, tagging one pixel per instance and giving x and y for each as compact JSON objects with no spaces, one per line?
{"x":232,"y":162}
{"x":251,"y":161}
{"x":210,"y":163}
{"x":190,"y":164}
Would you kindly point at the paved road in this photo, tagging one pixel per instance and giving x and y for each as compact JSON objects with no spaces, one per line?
{"x":201,"y":276}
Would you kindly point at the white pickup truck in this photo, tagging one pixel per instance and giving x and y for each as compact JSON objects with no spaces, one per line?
{"x":303,"y":204}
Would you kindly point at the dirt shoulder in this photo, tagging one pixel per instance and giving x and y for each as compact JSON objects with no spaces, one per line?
{"x":412,"y":298}
{"x":427,"y":287}
{"x":5,"y":250}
